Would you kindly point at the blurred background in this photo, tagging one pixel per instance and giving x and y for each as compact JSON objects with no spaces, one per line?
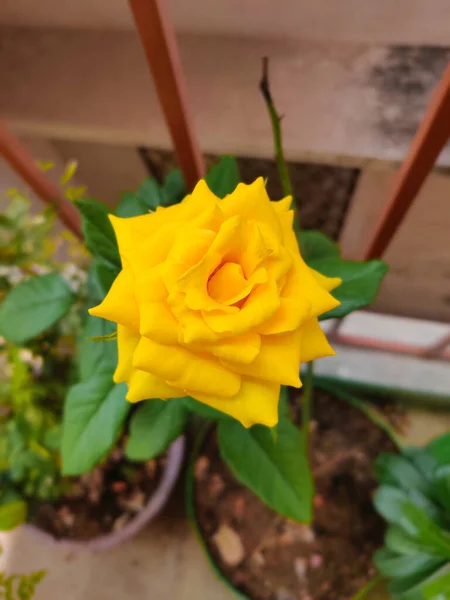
{"x":352,"y":80}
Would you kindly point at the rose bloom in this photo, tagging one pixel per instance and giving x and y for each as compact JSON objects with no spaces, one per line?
{"x":215,"y":301}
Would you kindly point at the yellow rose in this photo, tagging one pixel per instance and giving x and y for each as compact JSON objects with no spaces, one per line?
{"x":214,"y":301}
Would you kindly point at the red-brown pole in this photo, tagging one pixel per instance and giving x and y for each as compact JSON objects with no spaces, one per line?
{"x":432,"y":135}
{"x":158,"y":39}
{"x":21,"y":161}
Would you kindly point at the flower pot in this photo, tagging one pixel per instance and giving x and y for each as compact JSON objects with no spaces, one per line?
{"x":160,"y":496}
{"x":308,"y":549}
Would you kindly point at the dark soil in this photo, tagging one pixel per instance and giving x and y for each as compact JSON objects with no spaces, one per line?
{"x":275,"y":559}
{"x":101,"y":501}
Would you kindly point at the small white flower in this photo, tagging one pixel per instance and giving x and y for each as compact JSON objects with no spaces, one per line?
{"x":40,"y":269}
{"x":38,"y":220}
{"x":26,"y":356}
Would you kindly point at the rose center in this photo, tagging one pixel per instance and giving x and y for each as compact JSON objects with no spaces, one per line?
{"x":228,"y":284}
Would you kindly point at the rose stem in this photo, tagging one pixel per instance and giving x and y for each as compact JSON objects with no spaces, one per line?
{"x":283,"y":173}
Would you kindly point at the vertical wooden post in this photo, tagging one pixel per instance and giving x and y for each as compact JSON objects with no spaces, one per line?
{"x":158,"y":40}
{"x":432,"y":135}
{"x":21,"y":161}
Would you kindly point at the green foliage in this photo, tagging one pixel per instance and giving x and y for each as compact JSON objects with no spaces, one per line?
{"x":98,"y":232}
{"x":13,"y":510}
{"x":174,"y":188}
{"x":414,"y":498}
{"x":154,"y":426}
{"x":360,"y":280}
{"x":29,"y":428}
{"x":19,"y":587}
{"x":33,"y":306}
{"x":150,"y":195}
{"x":223,"y":177}
{"x":23,"y":237}
{"x":94,"y":413}
{"x":274,"y":467}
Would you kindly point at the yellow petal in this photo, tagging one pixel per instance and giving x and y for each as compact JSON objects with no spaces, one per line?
{"x":329,"y":283}
{"x":127,"y":341}
{"x":283,"y":205}
{"x":229,"y":286}
{"x":303,"y":283}
{"x":144,"y":386}
{"x":186,"y":370}
{"x":242,"y":349}
{"x":252,"y":202}
{"x":291,"y":314}
{"x":278,"y":360}
{"x":262,"y":303}
{"x":314,"y":343}
{"x":201,"y":199}
{"x":192,"y":327}
{"x":256,"y":402}
{"x":226,"y":282}
{"x":120,"y":303}
{"x":286,"y":221}
{"x":158,"y":323}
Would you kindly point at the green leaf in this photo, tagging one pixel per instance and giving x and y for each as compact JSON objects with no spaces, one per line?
{"x":150,"y":194}
{"x":439,"y":449}
{"x":223,"y":178}
{"x":442,"y":486}
{"x":174,"y":188}
{"x":13,"y":510}
{"x":276,"y":471}
{"x":131,"y":205}
{"x":94,"y":412}
{"x":154,"y":426}
{"x":315,"y":245}
{"x":92,"y":357}
{"x":389,"y":502}
{"x":360,"y":280}
{"x":438,"y":586}
{"x":397,"y":470}
{"x":100,"y":277}
{"x":391,"y":564}
{"x":33,"y":306}
{"x":98,"y":232}
{"x":417,"y":524}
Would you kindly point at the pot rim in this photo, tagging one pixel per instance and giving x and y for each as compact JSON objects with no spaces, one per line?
{"x":175,"y":457}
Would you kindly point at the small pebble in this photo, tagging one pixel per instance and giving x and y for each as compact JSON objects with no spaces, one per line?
{"x":66,"y":516}
{"x":116,"y":455}
{"x":120,"y":522}
{"x":94,"y":496}
{"x":239,"y":507}
{"x":201,"y":467}
{"x":257,"y":560}
{"x":318,"y":501}
{"x":296,"y":532}
{"x":300,"y":567}
{"x":284,"y":594}
{"x":150,"y":468}
{"x":229,"y":545}
{"x":216,"y":485}
{"x":119,"y":486}
{"x":135,"y":502}
{"x":316,"y":561}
